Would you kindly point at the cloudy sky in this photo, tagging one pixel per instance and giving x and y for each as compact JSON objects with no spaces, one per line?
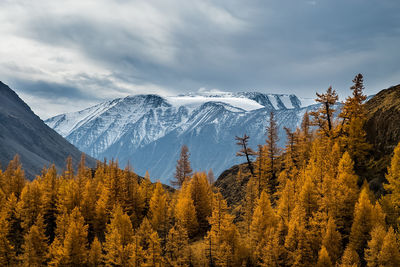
{"x":62,"y":56}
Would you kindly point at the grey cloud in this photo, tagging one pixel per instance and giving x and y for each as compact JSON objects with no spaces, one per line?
{"x":295,"y":46}
{"x":49,"y":99}
{"x":50,"y":91}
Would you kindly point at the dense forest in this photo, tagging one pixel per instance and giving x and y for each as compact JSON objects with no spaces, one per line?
{"x":308,"y":204}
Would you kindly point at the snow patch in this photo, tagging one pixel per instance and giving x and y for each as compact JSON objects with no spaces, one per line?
{"x":305,"y":102}
{"x":273,"y":101}
{"x":286,"y":101}
{"x":195,"y":101}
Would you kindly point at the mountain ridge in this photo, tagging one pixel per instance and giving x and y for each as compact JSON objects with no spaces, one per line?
{"x":383,"y":130}
{"x":141,"y":129}
{"x":22,"y":132}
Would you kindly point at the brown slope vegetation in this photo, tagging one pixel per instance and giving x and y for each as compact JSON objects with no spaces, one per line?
{"x":231,"y":186}
{"x":383,"y":125}
{"x":383,"y":128}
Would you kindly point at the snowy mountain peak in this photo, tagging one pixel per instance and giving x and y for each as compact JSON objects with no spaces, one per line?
{"x":244,"y":100}
{"x":195,"y":101}
{"x":150,"y":100}
{"x":148,"y":130}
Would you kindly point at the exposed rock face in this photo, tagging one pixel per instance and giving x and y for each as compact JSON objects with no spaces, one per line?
{"x":232,"y":187}
{"x":24,"y":133}
{"x":383,"y":131}
{"x":383,"y":125}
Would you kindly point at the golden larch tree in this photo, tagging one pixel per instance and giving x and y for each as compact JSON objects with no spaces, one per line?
{"x":16,"y":232}
{"x":299,"y":244}
{"x":30,"y":205}
{"x":323,"y":258}
{"x":365,"y":220}
{"x":75,"y":243}
{"x":389,"y":254}
{"x":223,"y":238}
{"x":323,"y":118}
{"x":185,"y":211}
{"x":119,"y":238}
{"x":7,"y":252}
{"x":201,"y":195}
{"x":392,"y":199}
{"x":353,"y":115}
{"x":158,"y":211}
{"x":153,"y":253}
{"x":272,"y":152}
{"x":350,"y":258}
{"x":95,"y":257}
{"x":332,"y":241}
{"x":249,"y":203}
{"x":177,"y":248}
{"x":14,"y":177}
{"x":371,"y":253}
{"x":344,"y":195}
{"x":264,"y":218}
{"x":102,"y":211}
{"x":88,"y":206}
{"x":35,"y":246}
{"x":49,"y":184}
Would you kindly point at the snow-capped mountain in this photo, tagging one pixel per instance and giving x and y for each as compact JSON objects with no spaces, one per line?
{"x":148,"y":130}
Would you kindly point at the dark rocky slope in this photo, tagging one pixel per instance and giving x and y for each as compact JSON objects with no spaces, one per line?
{"x":232,"y":187}
{"x":383,"y":125}
{"x":383,"y":130}
{"x":24,"y":133}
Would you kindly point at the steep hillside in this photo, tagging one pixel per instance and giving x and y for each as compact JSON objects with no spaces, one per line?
{"x":383,"y":125}
{"x":232,"y":187}
{"x":383,"y":128}
{"x":24,"y":133}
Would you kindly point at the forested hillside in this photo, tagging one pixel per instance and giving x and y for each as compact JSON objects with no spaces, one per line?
{"x":308,"y":204}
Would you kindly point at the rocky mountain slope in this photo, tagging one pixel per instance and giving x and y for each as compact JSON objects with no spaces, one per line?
{"x":383,"y":128}
{"x":383,"y":125}
{"x":24,"y":133}
{"x":231,"y":186}
{"x":148,"y":130}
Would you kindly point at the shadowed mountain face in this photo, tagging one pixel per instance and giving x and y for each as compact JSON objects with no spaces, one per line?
{"x":383,"y":125}
{"x":24,"y":133}
{"x":383,"y":129}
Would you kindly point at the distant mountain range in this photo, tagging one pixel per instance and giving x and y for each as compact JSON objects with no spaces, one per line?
{"x":148,"y":130}
{"x":24,"y":133}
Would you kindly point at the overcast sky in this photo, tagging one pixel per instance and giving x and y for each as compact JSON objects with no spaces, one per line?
{"x":62,"y":56}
